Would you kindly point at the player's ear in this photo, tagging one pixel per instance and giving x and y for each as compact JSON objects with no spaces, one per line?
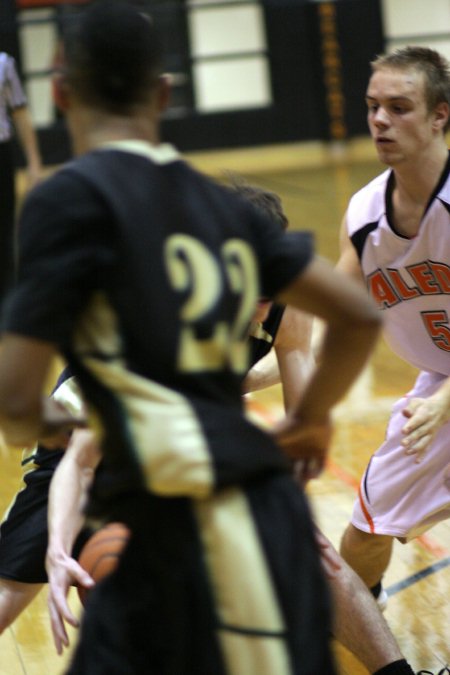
{"x":441,"y":115}
{"x":59,"y":82}
{"x":60,"y":91}
{"x":163,"y":91}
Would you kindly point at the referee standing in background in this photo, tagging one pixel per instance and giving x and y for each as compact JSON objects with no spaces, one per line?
{"x":14,"y":114}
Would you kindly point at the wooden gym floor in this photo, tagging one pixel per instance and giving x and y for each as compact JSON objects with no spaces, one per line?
{"x":315,"y":182}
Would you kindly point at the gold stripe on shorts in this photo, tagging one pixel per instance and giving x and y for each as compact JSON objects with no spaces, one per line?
{"x":252,"y":630}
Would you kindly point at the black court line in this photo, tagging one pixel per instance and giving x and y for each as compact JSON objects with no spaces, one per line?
{"x":414,"y":578}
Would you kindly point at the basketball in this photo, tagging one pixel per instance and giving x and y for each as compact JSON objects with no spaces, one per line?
{"x":100,"y":554}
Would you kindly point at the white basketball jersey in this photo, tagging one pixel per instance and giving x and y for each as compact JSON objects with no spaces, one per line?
{"x":408,"y":278}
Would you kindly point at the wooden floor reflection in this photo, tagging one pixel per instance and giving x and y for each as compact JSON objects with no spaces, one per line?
{"x":314,"y":182}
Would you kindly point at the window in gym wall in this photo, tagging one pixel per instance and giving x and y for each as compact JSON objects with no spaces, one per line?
{"x":38,"y":37}
{"x":230,"y":66}
{"x":416,"y":22}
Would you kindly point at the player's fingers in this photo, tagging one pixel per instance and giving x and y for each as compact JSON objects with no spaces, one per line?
{"x":58,"y":598}
{"x":419,"y":447}
{"x":413,"y":432}
{"x":299,"y":472}
{"x":85,"y":581}
{"x":412,"y":406}
{"x":314,"y":468}
{"x":418,"y":420}
{"x":80,"y":576}
{"x":308,"y":468}
{"x":60,"y":637}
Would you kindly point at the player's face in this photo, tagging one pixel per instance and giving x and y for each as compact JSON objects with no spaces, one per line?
{"x":399,"y":121}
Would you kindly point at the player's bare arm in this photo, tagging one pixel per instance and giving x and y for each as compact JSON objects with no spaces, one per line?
{"x":265,"y":373}
{"x":26,"y":414}
{"x":348,"y":262}
{"x":351,"y":319}
{"x":67,"y":498}
{"x":289,"y":362}
{"x":294,"y":355}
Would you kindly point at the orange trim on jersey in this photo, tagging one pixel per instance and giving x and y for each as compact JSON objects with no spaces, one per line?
{"x":349,"y":480}
{"x":365,"y":511}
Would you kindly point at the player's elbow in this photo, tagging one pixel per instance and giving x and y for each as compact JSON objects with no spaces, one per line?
{"x":368,"y":316}
{"x":361,"y":332}
{"x":18,"y":415}
{"x":364,"y":325}
{"x":16,"y":405}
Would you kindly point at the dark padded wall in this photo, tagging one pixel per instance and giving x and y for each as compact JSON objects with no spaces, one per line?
{"x":319,"y":54}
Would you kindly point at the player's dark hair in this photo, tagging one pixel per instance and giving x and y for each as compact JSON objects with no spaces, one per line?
{"x":113,"y":55}
{"x":266,"y":201}
{"x":433,"y":65}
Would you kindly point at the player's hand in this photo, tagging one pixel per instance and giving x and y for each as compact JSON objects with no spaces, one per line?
{"x":305,"y":443}
{"x":425,"y":417}
{"x":63,"y":572}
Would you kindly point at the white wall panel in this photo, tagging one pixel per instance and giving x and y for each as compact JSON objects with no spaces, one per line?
{"x":40,"y":100}
{"x":38,"y":44}
{"x":37,"y":41}
{"x":231,"y":85}
{"x":410,"y":18}
{"x":230,"y":67}
{"x":226,"y":30}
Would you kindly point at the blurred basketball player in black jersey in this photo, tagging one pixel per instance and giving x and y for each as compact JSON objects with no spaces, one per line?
{"x":144,"y":275}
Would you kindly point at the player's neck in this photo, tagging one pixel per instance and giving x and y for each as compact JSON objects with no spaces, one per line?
{"x":419,"y":179}
{"x":90,"y":129}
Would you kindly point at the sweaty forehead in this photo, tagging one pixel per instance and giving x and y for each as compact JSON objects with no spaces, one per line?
{"x":397,"y":83}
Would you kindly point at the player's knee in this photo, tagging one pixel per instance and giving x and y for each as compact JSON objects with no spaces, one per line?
{"x":358,"y":541}
{"x":5,"y":620}
{"x":14,"y":598}
{"x":353,"y":540}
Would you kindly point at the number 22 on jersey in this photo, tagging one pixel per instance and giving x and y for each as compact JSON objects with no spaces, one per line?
{"x":195,"y":271}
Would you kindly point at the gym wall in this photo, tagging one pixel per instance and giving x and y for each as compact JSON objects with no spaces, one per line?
{"x":245,"y":72}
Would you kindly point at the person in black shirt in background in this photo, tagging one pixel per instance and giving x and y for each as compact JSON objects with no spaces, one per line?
{"x":14,"y":115}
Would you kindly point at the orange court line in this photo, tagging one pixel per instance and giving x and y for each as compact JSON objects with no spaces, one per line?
{"x":261,"y":410}
{"x":432,"y":546}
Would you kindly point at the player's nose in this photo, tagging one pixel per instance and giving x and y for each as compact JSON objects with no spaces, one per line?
{"x":381,"y":117}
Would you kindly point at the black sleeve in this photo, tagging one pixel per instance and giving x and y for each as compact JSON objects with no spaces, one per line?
{"x":63,"y":258}
{"x":282,"y":255}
